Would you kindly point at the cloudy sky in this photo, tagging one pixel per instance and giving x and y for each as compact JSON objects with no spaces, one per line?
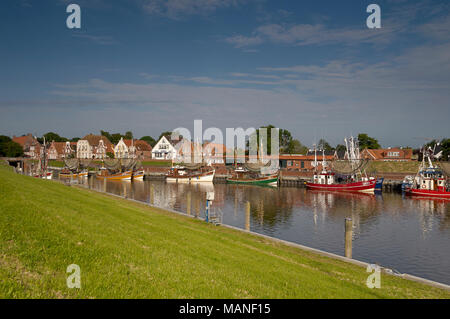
{"x":312,"y":67}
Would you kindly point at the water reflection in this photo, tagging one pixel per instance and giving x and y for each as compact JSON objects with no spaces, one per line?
{"x":407,"y":234}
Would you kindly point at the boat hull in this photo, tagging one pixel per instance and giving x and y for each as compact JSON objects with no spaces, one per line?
{"x":272,"y":181}
{"x":428,"y":193}
{"x":125,"y":176}
{"x":138,"y":176}
{"x":206,"y":178}
{"x":364,"y":187}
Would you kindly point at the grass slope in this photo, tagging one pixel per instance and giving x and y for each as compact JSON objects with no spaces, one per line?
{"x":126,"y":249}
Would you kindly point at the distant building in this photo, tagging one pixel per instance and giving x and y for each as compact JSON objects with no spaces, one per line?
{"x":138,"y":149}
{"x":143,"y":150}
{"x":61,"y":150}
{"x":303,"y":162}
{"x":31,"y":147}
{"x":94,"y":147}
{"x":388,"y":155}
{"x":165,"y":149}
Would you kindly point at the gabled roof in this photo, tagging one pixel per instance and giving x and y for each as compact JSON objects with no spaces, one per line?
{"x":25,"y":140}
{"x":142,"y":145}
{"x":94,"y":140}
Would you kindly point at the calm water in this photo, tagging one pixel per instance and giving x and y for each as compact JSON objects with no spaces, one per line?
{"x":408,"y":235}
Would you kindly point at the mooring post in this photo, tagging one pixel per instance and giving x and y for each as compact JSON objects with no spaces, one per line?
{"x":124,"y":190}
{"x":197,"y":208}
{"x":104,"y":184}
{"x":247,"y":216}
{"x":188,"y":203}
{"x":348,"y":237}
{"x":152,"y":196}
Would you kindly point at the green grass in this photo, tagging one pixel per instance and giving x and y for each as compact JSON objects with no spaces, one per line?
{"x":393,"y":167}
{"x":55,"y":163}
{"x":157,"y":163}
{"x":127,"y":249}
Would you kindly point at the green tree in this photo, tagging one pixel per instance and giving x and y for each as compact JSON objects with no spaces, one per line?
{"x":150,"y":140}
{"x":166,"y":134}
{"x":106,"y":134}
{"x":110,"y":154}
{"x":445,"y":143}
{"x":9,"y":148}
{"x":365,"y":141}
{"x":340,"y":148}
{"x":296,"y":147}
{"x":75,"y":139}
{"x":324,"y":145}
{"x":128,"y":135}
{"x":50,"y":137}
{"x":285,"y":139}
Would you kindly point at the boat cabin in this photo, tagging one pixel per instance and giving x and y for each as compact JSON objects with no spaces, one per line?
{"x":324,"y":178}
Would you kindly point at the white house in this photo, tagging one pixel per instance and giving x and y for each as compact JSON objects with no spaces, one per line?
{"x":93,"y":146}
{"x":165,"y":149}
{"x":125,"y":149}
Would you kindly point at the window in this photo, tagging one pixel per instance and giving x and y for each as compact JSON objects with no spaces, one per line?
{"x":302,"y":164}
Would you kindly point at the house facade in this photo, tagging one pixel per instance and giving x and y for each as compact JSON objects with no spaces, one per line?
{"x":94,"y":147}
{"x":165,"y":149}
{"x":30,"y":145}
{"x":303,"y":163}
{"x":61,"y":150}
{"x":388,"y":155}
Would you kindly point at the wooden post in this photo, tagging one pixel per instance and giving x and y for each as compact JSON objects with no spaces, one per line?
{"x":104,"y":185}
{"x":197,"y":206}
{"x":348,"y":237}
{"x":152,"y":195}
{"x":247,"y":216}
{"x":124,"y":190}
{"x":188,"y":203}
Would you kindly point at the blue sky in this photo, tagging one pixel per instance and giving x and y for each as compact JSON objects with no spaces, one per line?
{"x":312,"y":67}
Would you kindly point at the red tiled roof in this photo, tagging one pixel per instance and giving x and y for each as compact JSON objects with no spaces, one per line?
{"x":94,"y":140}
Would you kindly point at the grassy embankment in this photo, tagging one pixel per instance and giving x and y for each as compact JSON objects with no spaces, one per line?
{"x":393,"y":167}
{"x":126,"y":249}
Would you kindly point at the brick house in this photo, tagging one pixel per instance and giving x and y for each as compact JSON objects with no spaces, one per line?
{"x":61,"y":150}
{"x":31,"y":147}
{"x":388,"y":155}
{"x":303,"y":163}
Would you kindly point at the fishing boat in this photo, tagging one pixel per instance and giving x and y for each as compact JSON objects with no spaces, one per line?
{"x":180,"y":174}
{"x":271,"y":180}
{"x":105,"y":174}
{"x":70,"y":174}
{"x":44,"y":175}
{"x":357,"y":181}
{"x":259,"y":173}
{"x":430,"y":181}
{"x":138,"y":175}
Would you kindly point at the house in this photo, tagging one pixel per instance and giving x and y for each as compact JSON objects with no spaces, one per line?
{"x":124,"y":149}
{"x":388,"y":155}
{"x":303,"y":162}
{"x":61,"y":150}
{"x":165,"y":149}
{"x":143,"y":150}
{"x":138,"y":149}
{"x":31,"y":147}
{"x":94,"y":147}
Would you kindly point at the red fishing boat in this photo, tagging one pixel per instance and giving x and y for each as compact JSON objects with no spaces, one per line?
{"x":356,"y":182}
{"x":430,"y":181}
